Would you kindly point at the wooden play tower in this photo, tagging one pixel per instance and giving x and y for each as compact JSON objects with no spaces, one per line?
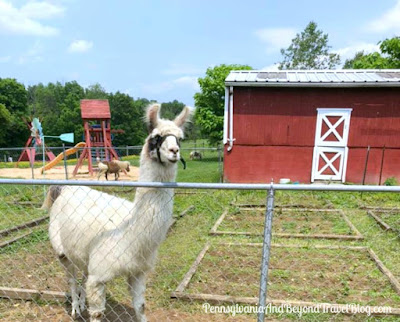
{"x":96,"y":118}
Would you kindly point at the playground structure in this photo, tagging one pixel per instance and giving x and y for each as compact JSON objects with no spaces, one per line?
{"x":34,"y":140}
{"x":60,"y":157}
{"x":96,"y":118}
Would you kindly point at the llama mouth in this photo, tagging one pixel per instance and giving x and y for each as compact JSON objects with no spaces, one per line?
{"x":173,"y":160}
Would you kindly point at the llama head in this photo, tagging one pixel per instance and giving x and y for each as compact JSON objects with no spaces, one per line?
{"x":165,"y":135}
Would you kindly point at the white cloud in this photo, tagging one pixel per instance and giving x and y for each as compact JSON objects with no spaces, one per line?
{"x":41,"y":10}
{"x":276,"y":38}
{"x":350,"y":51}
{"x":182,"y":69}
{"x":26,"y":19}
{"x":181,"y":82}
{"x":389,"y":21}
{"x":80,"y":46}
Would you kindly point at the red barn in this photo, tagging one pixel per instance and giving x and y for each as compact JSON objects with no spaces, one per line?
{"x":310,"y":125}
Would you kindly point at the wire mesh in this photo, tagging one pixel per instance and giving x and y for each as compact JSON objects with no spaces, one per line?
{"x":197,"y":275}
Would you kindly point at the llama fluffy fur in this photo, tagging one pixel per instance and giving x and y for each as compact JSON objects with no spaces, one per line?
{"x":105,"y":236}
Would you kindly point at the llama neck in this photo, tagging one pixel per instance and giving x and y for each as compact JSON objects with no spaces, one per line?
{"x":153,"y":207}
{"x":152,"y":217}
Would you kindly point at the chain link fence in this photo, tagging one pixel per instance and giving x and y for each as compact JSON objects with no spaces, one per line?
{"x":306,"y":251}
{"x":14,"y":162}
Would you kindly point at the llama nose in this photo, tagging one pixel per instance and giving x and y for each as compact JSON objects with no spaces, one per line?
{"x":174,"y":150}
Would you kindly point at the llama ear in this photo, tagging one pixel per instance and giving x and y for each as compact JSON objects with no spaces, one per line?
{"x":183,"y":117}
{"x":152,"y":116}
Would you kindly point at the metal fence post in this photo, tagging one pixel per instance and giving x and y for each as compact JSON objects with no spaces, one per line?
{"x":65,"y":162}
{"x":32,"y":163}
{"x":266,"y":249}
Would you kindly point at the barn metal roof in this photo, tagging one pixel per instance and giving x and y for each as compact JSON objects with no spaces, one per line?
{"x":315,"y":78}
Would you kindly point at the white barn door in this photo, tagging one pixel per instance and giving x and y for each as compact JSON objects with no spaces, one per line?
{"x":330,"y":150}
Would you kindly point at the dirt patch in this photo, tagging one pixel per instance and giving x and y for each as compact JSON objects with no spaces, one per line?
{"x":29,"y":311}
{"x":58,"y":173}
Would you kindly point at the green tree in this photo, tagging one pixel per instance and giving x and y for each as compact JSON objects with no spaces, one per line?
{"x":70,"y":112}
{"x":387,"y":58}
{"x":349,"y":63}
{"x":96,"y":91}
{"x":209,"y":101}
{"x":309,"y":50}
{"x":127,"y":114}
{"x":58,"y":108}
{"x":5,"y":121}
{"x":13,"y":107}
{"x":171,"y":109}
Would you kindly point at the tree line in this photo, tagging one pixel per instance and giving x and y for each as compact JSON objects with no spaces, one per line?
{"x":57,"y":105}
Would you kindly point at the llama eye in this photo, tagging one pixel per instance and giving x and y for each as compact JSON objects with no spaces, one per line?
{"x":154,"y":142}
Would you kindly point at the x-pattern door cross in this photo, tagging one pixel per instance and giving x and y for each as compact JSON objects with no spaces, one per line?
{"x":329,"y":163}
{"x":332,"y":128}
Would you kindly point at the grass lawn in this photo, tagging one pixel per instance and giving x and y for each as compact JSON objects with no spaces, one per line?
{"x":335,"y":276}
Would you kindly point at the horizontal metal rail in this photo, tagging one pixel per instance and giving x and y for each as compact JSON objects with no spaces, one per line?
{"x":130,"y":147}
{"x":195,"y":185}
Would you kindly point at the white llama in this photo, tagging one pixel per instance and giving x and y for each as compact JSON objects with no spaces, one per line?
{"x":105,"y":236}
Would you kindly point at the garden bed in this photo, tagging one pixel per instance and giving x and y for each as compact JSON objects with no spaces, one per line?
{"x":335,"y":275}
{"x":288,"y":223}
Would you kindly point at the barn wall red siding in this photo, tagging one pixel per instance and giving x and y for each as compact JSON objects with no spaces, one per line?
{"x":287,"y":116}
{"x":263,"y":163}
{"x":274,"y":130}
{"x":356,"y":165}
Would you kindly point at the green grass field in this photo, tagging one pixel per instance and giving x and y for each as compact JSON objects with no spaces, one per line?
{"x":30,"y":262}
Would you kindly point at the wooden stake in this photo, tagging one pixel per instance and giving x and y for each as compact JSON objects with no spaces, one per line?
{"x":213,"y":230}
{"x":11,"y":241}
{"x":28,"y":224}
{"x":182,"y":214}
{"x":28,"y":294}
{"x":380,"y":221}
{"x":188,"y":276}
{"x":395,"y":283}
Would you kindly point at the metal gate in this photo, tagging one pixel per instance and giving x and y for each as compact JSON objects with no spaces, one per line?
{"x":330,"y":150}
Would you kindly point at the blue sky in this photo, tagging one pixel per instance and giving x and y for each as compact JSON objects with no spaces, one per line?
{"x":158,"y":49}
